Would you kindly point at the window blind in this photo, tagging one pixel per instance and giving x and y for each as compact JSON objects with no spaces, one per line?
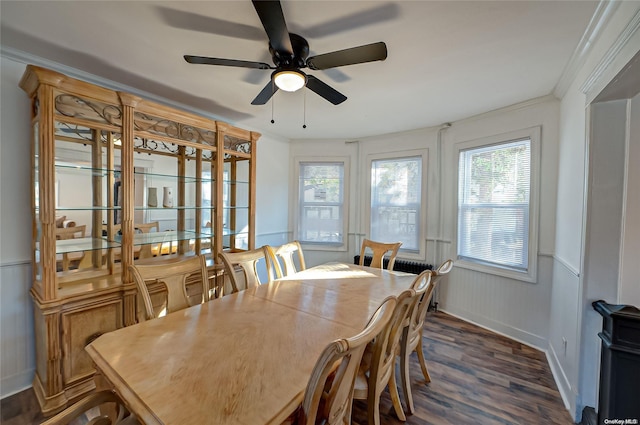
{"x":321,"y":202}
{"x":396,"y":201}
{"x":493,"y":204}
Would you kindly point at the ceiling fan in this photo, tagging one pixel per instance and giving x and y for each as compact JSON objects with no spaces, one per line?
{"x":290,"y":54}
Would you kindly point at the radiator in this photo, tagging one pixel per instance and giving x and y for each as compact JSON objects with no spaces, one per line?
{"x":401,"y":265}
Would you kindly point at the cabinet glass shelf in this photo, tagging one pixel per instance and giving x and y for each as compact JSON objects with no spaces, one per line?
{"x":84,"y":170}
{"x":167,"y":236}
{"x":188,"y":207}
{"x":83,"y":244}
{"x":89,"y":208}
{"x":173,"y":177}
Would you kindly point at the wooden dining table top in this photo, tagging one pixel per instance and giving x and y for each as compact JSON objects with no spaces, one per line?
{"x":244,"y":358}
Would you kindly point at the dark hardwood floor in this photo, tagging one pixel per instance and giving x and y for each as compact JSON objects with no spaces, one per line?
{"x":478,"y":378}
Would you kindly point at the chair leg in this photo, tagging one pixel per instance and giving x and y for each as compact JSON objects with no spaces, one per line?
{"x":405,"y":380}
{"x":423,"y":364}
{"x":395,"y":397}
{"x":373,"y":410}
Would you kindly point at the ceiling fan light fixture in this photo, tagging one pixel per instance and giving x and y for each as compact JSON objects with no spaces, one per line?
{"x":289,"y":80}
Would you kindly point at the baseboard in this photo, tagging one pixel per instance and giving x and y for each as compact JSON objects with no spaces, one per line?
{"x":564,"y":387}
{"x":12,"y":391}
{"x":500,"y":328}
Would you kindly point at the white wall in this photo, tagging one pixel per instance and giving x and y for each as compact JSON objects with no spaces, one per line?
{"x":629,"y":289}
{"x":573,"y":342}
{"x":272,"y":195}
{"x":17,"y":359}
{"x":602,"y":231}
{"x":515,"y":308}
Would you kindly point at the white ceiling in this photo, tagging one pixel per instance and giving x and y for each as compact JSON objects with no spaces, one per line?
{"x":447,"y":60}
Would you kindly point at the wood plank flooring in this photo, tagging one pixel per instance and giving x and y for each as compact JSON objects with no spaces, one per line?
{"x":478,"y":378}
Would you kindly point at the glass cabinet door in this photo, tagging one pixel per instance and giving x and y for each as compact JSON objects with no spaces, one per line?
{"x":86,"y":163}
{"x":173,"y":187}
{"x":236,"y":204}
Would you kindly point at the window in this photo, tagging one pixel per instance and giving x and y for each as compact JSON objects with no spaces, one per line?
{"x":395,"y":201}
{"x":396,"y":187}
{"x":495,"y":204}
{"x":321,"y":209}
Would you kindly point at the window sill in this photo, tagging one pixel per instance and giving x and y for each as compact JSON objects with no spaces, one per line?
{"x":323,"y":247}
{"x":497,"y":271}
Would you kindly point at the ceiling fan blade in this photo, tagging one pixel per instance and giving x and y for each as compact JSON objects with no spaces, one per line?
{"x":324,"y":90}
{"x":204,"y":60}
{"x":263,"y":97}
{"x":207,"y":24}
{"x":377,"y":14}
{"x":367,"y":53}
{"x":272,"y":18}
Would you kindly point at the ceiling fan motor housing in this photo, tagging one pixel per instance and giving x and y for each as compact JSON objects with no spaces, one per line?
{"x":286,"y":60}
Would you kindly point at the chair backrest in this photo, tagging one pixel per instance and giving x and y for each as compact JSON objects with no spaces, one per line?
{"x":328,"y":401}
{"x":64,"y":233}
{"x":442,"y":270}
{"x":248,"y":262}
{"x":423,"y":285}
{"x":173,"y":274}
{"x":147,"y":227}
{"x":285,"y":253}
{"x":147,"y":250}
{"x":379,"y":249}
{"x":387,"y":342}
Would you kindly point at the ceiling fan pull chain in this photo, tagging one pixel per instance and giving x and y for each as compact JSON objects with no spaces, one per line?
{"x":304,"y":108}
{"x":273,"y":100}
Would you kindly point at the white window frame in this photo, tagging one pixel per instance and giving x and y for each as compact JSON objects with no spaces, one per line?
{"x":421,"y":254}
{"x":530,"y":274}
{"x":295,"y":201}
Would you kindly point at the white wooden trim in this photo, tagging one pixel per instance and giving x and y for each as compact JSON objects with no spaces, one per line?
{"x":600,"y":18}
{"x":599,"y":75}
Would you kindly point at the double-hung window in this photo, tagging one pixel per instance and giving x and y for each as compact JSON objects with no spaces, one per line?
{"x":322,"y":215}
{"x":496,"y":214}
{"x":396,"y":201}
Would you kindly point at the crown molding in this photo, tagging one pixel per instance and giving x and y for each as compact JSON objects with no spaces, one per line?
{"x":600,"y":18}
{"x":599,"y":73}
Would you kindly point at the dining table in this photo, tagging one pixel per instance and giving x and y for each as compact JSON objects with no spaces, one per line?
{"x":244,"y":358}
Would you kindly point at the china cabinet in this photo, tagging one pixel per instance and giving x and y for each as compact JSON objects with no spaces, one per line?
{"x":117,"y":179}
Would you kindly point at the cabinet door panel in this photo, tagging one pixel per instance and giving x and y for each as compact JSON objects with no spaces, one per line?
{"x":80,"y":327}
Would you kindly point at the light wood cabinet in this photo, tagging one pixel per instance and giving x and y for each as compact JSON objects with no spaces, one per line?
{"x":117,"y":179}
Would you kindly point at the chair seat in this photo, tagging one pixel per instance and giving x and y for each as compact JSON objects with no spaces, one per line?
{"x":361,"y":385}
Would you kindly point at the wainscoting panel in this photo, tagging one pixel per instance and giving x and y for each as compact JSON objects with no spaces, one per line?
{"x":564,"y":351}
{"x":517,"y":309}
{"x":17,"y":344}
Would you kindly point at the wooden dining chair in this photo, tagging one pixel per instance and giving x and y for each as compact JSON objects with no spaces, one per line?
{"x":247,"y":262}
{"x":173,"y":273}
{"x":147,"y":250}
{"x":76,"y":259}
{"x":443,"y":269}
{"x":329,"y":394}
{"x":285,"y":253}
{"x":411,"y":338}
{"x":87,"y":411}
{"x":379,"y":250}
{"x":378,"y":363}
